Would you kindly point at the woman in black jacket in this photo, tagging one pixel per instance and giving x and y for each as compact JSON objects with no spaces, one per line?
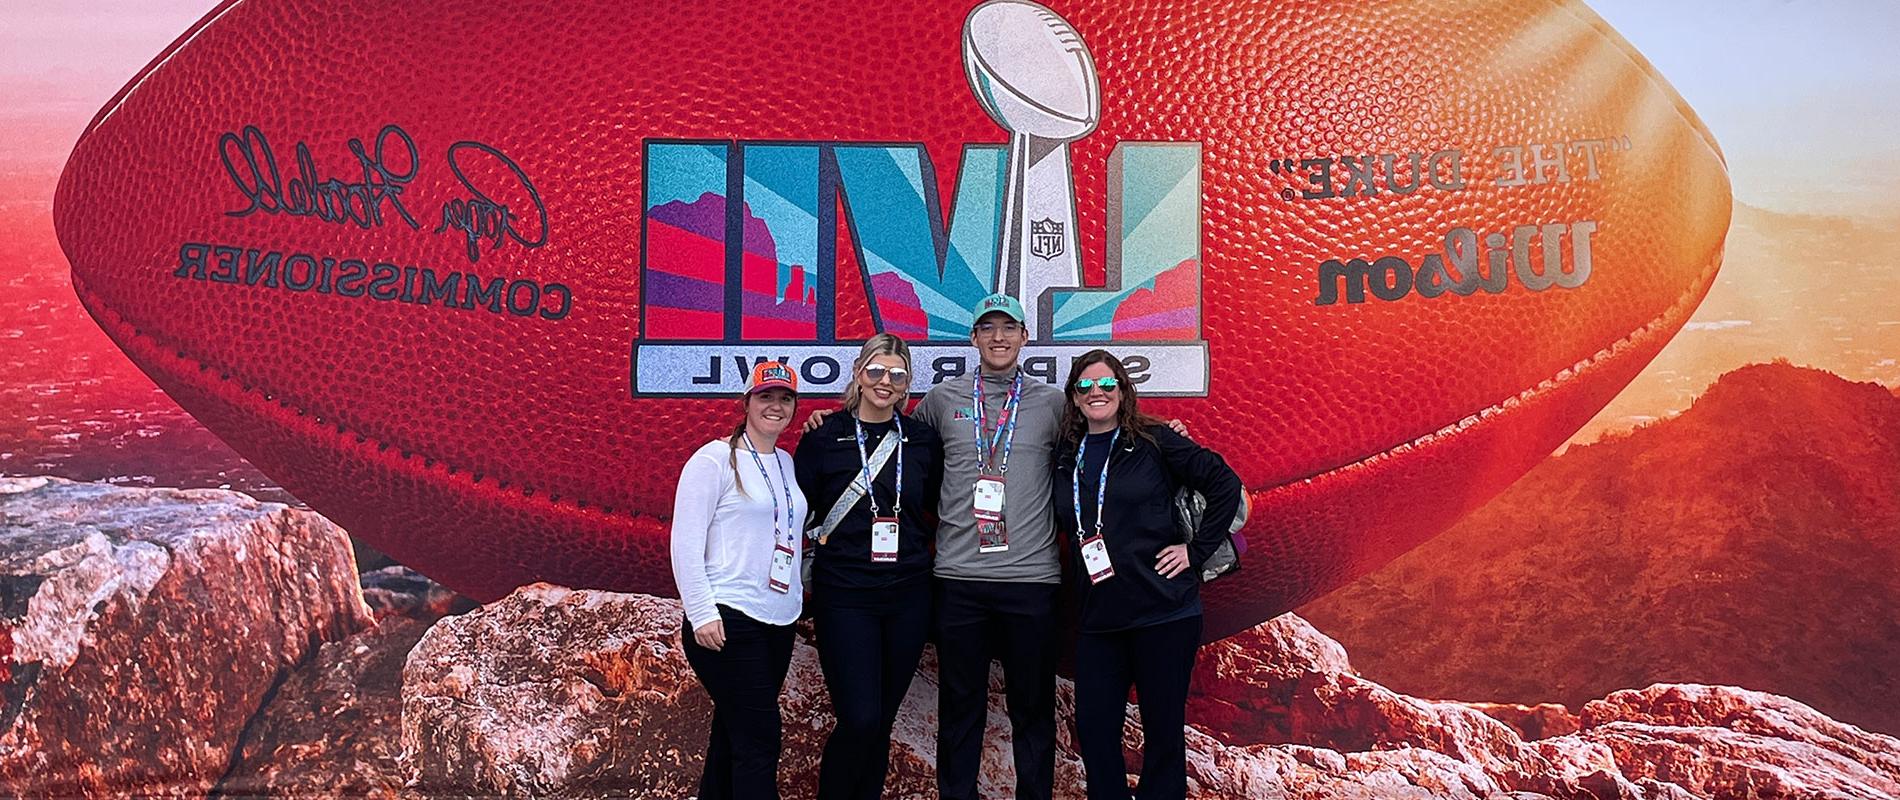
{"x":1139,"y":583}
{"x":871,"y":578}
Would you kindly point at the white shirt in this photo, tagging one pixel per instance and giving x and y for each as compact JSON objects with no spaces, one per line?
{"x":723,"y":539}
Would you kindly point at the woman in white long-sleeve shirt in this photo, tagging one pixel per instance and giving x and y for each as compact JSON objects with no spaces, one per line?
{"x":738,"y":518}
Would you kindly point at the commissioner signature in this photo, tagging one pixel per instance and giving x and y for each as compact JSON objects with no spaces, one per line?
{"x":480,"y":217}
{"x":375,"y":195}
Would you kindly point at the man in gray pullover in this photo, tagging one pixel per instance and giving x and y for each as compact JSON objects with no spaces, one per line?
{"x":996,"y":568}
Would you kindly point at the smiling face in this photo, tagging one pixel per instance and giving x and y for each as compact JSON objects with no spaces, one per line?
{"x":768,"y":411}
{"x":889,"y":387}
{"x":998,"y":338}
{"x":1097,"y":405}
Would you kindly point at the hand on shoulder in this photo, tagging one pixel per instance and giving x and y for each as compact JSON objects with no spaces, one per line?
{"x":1167,"y":433}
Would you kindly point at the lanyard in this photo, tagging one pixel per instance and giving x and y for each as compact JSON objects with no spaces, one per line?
{"x":864,"y":459}
{"x":1101,"y":484}
{"x":1005,"y":423}
{"x":791,"y":531}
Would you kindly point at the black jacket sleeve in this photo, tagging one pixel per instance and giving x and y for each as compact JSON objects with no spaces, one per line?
{"x":1204,"y":471}
{"x":805,"y":471}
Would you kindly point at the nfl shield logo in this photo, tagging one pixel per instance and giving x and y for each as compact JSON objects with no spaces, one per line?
{"x":1045,"y":238}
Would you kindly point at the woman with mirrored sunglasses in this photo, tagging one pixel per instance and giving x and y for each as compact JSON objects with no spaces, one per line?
{"x":1139,"y":583}
{"x":871,"y":592}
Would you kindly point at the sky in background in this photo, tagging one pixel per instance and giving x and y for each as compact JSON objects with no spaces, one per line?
{"x":92,"y":46}
{"x":1803,"y":95}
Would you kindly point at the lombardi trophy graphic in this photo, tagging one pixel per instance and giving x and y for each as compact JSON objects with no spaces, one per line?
{"x":1032,"y":74}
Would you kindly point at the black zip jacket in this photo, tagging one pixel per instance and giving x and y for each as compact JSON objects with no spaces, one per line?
{"x":1142,"y":478}
{"x":827,"y":461}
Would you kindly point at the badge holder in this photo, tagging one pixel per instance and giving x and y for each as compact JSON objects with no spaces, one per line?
{"x":1095,"y":559}
{"x":884,"y":539}
{"x":783,"y":562}
{"x":991,"y":535}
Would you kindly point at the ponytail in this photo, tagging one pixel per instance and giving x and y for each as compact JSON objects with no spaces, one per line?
{"x":732,"y":441}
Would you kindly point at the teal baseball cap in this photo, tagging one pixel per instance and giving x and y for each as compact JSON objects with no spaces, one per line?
{"x":998,"y":302}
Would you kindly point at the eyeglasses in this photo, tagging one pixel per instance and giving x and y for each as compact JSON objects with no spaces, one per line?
{"x":876,"y":373}
{"x":1108,"y":384}
{"x":1006,"y":328}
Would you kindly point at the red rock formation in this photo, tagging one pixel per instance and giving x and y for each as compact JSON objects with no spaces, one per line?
{"x":1752,"y":541}
{"x":1298,"y":688}
{"x":1243,"y":686}
{"x":400,"y":592}
{"x":489,"y":706}
{"x":146,"y":626}
{"x":332,"y":727}
{"x":1666,"y":741}
{"x":583,"y":694}
{"x":1719,"y":741}
{"x":551,"y":690}
{"x":1540,"y":721}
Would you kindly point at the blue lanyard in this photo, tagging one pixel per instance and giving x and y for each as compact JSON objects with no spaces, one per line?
{"x":864,"y":459}
{"x":1005,"y":423}
{"x":791,"y":531}
{"x":1101,"y":484}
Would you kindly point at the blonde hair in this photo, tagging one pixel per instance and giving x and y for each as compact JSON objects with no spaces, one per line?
{"x":883,"y":344}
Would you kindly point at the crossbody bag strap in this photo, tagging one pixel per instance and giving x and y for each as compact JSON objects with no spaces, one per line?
{"x":854,"y":490}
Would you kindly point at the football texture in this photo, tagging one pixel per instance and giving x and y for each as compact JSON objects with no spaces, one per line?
{"x":422,"y":262}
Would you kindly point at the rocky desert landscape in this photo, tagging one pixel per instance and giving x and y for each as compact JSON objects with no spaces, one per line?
{"x":201,"y":642}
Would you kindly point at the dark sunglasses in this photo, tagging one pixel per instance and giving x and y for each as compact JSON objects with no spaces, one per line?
{"x":876,"y":373}
{"x":1108,"y":384}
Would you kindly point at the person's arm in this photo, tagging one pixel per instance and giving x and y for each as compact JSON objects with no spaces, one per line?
{"x":805,"y":467}
{"x":927,"y":410}
{"x":702,"y":481}
{"x":1062,"y":500}
{"x":1204,"y":471}
{"x":815,"y":419}
{"x":933,"y":476}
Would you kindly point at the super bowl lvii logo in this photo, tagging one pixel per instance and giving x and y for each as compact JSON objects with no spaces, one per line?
{"x":740,"y":238}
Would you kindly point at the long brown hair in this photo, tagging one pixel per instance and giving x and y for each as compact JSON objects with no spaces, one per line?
{"x":1128,"y":416}
{"x":883,"y":344}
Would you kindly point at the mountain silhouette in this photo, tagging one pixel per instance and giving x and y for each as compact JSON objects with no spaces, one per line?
{"x":1752,"y":540}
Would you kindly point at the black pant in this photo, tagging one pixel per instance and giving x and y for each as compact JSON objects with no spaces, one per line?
{"x":744,"y":678}
{"x":1017,"y":621}
{"x":1157,"y":660}
{"x":869,"y":641}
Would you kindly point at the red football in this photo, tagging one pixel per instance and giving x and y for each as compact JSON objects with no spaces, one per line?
{"x":473,"y":280}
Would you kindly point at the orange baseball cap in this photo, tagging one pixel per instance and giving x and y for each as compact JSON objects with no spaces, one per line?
{"x":772,"y":375}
